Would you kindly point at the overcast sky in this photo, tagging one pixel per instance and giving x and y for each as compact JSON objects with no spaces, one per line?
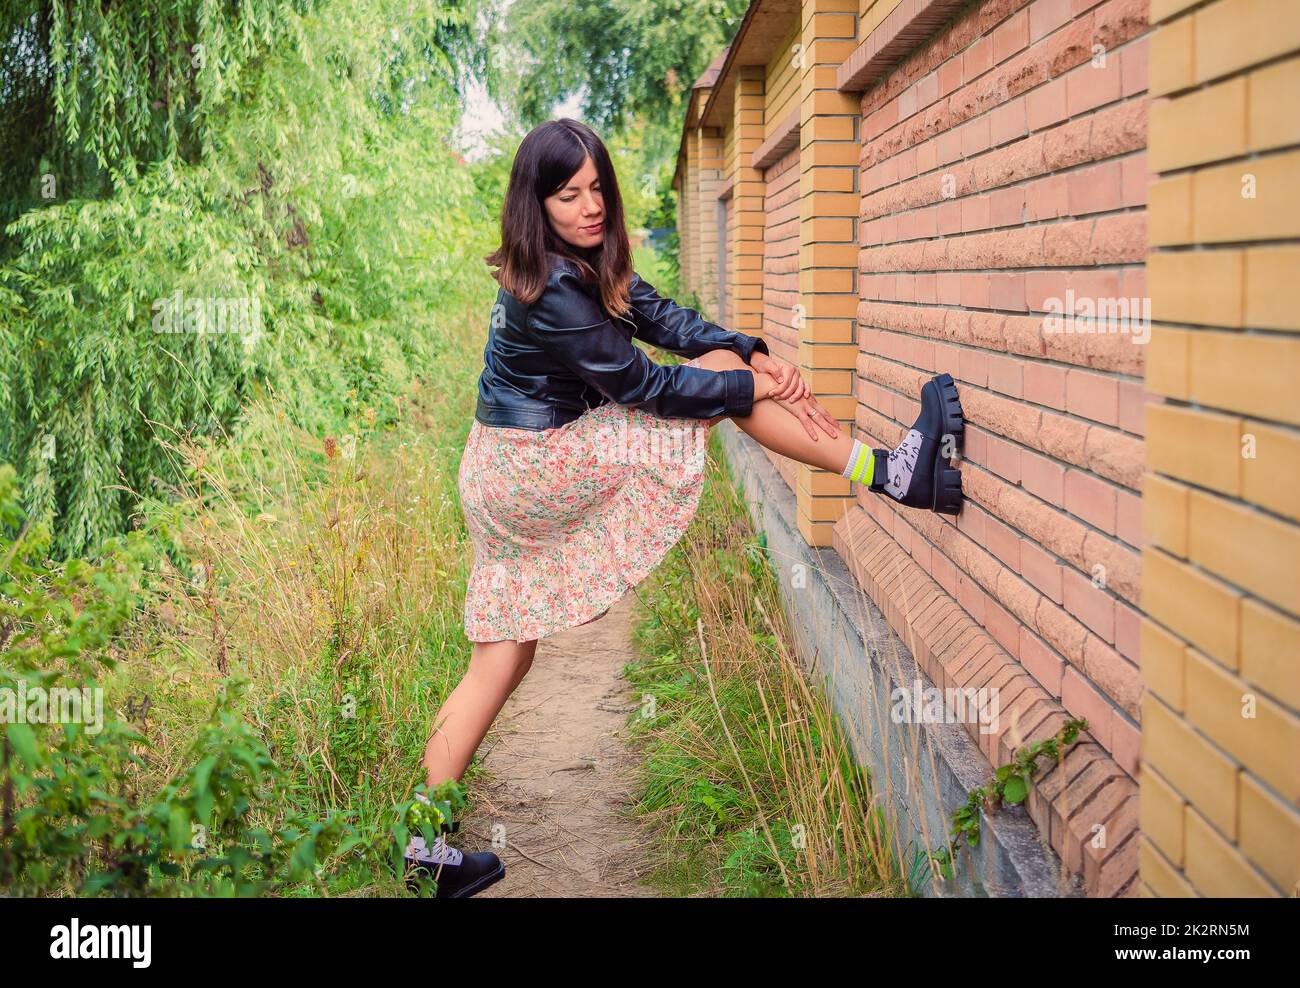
{"x":483,"y":117}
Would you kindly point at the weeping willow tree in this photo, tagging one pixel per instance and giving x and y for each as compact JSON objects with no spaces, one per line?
{"x":208,"y":197}
{"x":87,"y":86}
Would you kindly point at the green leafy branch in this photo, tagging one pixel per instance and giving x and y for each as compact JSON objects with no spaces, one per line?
{"x":1009,"y":786}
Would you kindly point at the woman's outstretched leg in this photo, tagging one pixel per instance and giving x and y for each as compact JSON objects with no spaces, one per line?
{"x":495,"y":669}
{"x":916,"y":473}
{"x":774,"y":427}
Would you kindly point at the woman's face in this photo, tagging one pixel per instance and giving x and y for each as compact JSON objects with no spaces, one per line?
{"x":577,"y":211}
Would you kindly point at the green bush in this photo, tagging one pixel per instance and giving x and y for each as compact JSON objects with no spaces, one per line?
{"x":321,"y":213}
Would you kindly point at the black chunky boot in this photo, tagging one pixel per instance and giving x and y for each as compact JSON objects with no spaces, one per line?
{"x":458,"y":875}
{"x":917,"y":473}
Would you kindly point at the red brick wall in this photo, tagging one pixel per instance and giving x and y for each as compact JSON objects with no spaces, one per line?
{"x":781,"y":273}
{"x":1003,"y":164}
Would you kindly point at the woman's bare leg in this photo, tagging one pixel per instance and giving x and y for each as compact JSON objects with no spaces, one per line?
{"x":495,"y":669}
{"x":778,"y":430}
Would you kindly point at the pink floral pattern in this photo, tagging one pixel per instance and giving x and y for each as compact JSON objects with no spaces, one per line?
{"x":565,"y":521}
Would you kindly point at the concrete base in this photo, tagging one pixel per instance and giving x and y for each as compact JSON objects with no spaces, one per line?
{"x":920,"y":772}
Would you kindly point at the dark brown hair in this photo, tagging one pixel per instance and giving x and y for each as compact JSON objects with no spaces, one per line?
{"x":550,"y":155}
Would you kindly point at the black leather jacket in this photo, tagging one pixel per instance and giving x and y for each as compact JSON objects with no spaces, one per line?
{"x":547,"y":363}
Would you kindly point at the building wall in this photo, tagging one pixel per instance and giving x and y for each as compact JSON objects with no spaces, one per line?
{"x":1129,"y":550}
{"x":780,"y":294}
{"x":1002,"y":166}
{"x":828,"y":244}
{"x":745,"y":300}
{"x":1221,"y":643}
{"x":782,"y":81}
{"x":730,"y":157}
{"x":872,"y":12}
{"x":687,"y":236}
{"x":706,"y":174}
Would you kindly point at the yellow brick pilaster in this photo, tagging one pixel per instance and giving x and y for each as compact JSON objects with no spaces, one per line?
{"x":829,"y":128}
{"x":1220,"y":797}
{"x":709,"y":150}
{"x":687,"y":209}
{"x":746,"y":220}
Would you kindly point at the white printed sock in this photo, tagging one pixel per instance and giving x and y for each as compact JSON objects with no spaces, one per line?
{"x":902,"y":463}
{"x":421,"y":853}
{"x":418,"y":849}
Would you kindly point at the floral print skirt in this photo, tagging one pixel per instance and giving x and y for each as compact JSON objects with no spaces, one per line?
{"x":565,"y":521}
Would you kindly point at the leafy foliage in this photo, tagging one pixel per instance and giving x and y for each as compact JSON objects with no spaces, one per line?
{"x":325,"y":210}
{"x":98,"y":86}
{"x":1008,"y":787}
{"x":625,"y":58}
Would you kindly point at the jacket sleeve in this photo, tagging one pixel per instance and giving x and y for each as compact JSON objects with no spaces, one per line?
{"x":681,"y":330}
{"x":572,"y":327}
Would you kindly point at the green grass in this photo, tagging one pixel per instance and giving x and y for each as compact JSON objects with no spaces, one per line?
{"x":749,"y":786}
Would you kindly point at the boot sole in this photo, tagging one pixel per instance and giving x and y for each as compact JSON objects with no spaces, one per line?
{"x":947,"y":481}
{"x":479,"y":884}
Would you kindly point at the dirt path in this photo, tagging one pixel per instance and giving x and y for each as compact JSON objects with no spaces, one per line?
{"x":562,"y":772}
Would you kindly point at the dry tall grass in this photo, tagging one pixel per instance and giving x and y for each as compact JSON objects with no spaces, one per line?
{"x":328,"y":574}
{"x":751,"y":783}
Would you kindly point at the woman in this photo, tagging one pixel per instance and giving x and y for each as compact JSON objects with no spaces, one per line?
{"x":585,"y":461}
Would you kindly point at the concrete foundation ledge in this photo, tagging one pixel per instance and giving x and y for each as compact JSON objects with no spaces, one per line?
{"x":922,"y":767}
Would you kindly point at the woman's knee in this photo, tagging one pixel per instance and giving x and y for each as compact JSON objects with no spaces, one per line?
{"x":718,"y":360}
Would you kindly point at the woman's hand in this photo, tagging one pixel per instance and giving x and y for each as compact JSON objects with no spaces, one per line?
{"x":780,"y":380}
{"x":790,"y":386}
{"x":812,"y":415}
